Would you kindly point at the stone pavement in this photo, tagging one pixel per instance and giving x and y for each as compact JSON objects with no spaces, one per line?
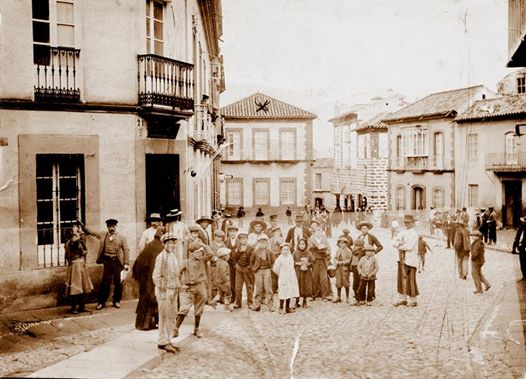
{"x":451,"y":333}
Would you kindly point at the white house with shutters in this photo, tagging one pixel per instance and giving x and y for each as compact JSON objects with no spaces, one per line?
{"x":268,"y":159}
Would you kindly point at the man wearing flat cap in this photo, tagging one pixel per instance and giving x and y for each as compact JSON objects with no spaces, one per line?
{"x":166,"y":280}
{"x":114,"y":255}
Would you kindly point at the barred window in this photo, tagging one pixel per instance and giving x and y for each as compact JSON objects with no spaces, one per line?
{"x":287,"y":191}
{"x":261,"y":191}
{"x":60,"y":202}
{"x":287,"y":144}
{"x":234,"y":191}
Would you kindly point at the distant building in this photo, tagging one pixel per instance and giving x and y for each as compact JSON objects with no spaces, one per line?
{"x":421,"y":150}
{"x":491,"y":157}
{"x":106,"y":111}
{"x":323,"y":173}
{"x":268,"y":160}
{"x":513,"y":84}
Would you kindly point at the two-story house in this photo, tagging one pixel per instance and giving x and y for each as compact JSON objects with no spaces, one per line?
{"x":268,"y":159}
{"x":491,"y":159}
{"x":421,"y":150}
{"x":103,"y":114}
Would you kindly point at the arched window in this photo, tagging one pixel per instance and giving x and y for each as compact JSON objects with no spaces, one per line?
{"x":512,"y":156}
{"x":438,"y":198}
{"x":400,"y":198}
{"x":418,"y":197}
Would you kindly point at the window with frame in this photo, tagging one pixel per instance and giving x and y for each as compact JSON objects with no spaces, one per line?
{"x":400,"y":198}
{"x":60,"y":202}
{"x":383,"y":141}
{"x":53,"y":25}
{"x":472,"y":146}
{"x":473,"y":195}
{"x":234,"y":144}
{"x":414,"y":142}
{"x":261,"y":191}
{"x":512,"y":154}
{"x":287,"y":191}
{"x":287,"y":141}
{"x":438,"y":149}
{"x":438,"y":197}
{"x":234,"y":191}
{"x":318,"y":180}
{"x":521,"y":84}
{"x":261,"y":144}
{"x":154,"y":27}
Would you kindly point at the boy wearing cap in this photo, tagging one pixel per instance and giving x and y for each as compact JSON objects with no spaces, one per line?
{"x":261,"y":263}
{"x":244,"y":273}
{"x":114,"y":256}
{"x":368,"y":268}
{"x":221,"y":278}
{"x":357,"y":254}
{"x":166,"y":280}
{"x":342,"y":260}
{"x":193,"y":280}
{"x":477,"y":261}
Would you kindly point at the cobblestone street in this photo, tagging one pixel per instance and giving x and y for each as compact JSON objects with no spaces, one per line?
{"x":441,"y":337}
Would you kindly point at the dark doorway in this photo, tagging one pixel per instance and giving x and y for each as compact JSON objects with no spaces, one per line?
{"x":162,"y":183}
{"x":512,"y":203}
{"x":318,"y":202}
{"x":418,"y":198}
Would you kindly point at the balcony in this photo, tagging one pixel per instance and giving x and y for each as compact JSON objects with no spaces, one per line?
{"x":502,"y":162}
{"x":165,"y":82}
{"x":57,"y":76}
{"x":419,"y":164}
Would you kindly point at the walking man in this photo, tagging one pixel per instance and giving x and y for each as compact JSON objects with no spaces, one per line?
{"x":114,"y":255}
{"x":462,"y":245}
{"x":166,"y":279}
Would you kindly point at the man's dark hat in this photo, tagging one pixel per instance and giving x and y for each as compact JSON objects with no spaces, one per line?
{"x":111,"y":221}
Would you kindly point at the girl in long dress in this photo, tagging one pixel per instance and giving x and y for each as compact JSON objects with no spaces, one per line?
{"x":287,"y":281}
{"x":303,"y":261}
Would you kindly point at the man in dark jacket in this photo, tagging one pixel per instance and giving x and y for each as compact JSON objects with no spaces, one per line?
{"x":244,"y":275}
{"x":520,"y":245}
{"x":297,"y":232}
{"x":477,"y":261}
{"x":462,"y":245}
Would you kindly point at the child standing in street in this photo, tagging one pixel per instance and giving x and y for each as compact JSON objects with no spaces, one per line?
{"x":303,"y":261}
{"x":357,"y":254}
{"x":477,"y":261}
{"x":368,"y":268}
{"x":221,"y":278}
{"x":423,"y":247}
{"x":342,"y":260}
{"x":287,"y":281}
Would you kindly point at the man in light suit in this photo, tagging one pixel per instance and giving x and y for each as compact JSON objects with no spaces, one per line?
{"x":114,"y":255}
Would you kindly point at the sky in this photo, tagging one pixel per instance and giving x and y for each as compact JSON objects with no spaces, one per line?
{"x":313,"y":53}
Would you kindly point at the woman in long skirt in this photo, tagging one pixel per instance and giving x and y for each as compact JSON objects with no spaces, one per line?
{"x":78,"y":282}
{"x":147,"y":310}
{"x":303,"y":261}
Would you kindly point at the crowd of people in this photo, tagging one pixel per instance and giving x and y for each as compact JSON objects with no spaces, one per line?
{"x":217,"y":261}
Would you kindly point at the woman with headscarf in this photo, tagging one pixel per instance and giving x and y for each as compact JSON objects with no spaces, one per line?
{"x":303,"y":261}
{"x":147,"y":310}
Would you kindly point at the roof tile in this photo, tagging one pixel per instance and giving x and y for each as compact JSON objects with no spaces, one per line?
{"x":513,"y":105}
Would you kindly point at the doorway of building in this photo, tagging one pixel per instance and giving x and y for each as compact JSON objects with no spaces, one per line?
{"x":512,"y":203}
{"x":318,"y":202}
{"x":162,"y":183}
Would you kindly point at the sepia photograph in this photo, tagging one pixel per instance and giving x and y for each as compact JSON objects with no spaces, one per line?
{"x":263,"y":189}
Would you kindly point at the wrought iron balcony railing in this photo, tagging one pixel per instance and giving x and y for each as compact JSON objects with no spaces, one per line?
{"x":506,"y":162}
{"x":165,"y":81}
{"x":57,"y":76}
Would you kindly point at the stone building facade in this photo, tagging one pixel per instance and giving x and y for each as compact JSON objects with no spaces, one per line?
{"x":322,"y":176}
{"x":102,"y":114}
{"x":269,"y":155}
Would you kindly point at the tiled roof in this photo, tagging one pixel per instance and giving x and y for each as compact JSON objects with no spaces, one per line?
{"x":348,"y":116}
{"x":441,"y":104}
{"x":260,"y":106}
{"x":502,"y":107}
{"x":374,"y":123}
{"x":324,"y":163}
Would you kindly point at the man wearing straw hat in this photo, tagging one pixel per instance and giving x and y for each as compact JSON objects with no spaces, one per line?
{"x":258,"y":228}
{"x":175,"y":226}
{"x":407,"y":245}
{"x":364,"y":227}
{"x":148,"y":235}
